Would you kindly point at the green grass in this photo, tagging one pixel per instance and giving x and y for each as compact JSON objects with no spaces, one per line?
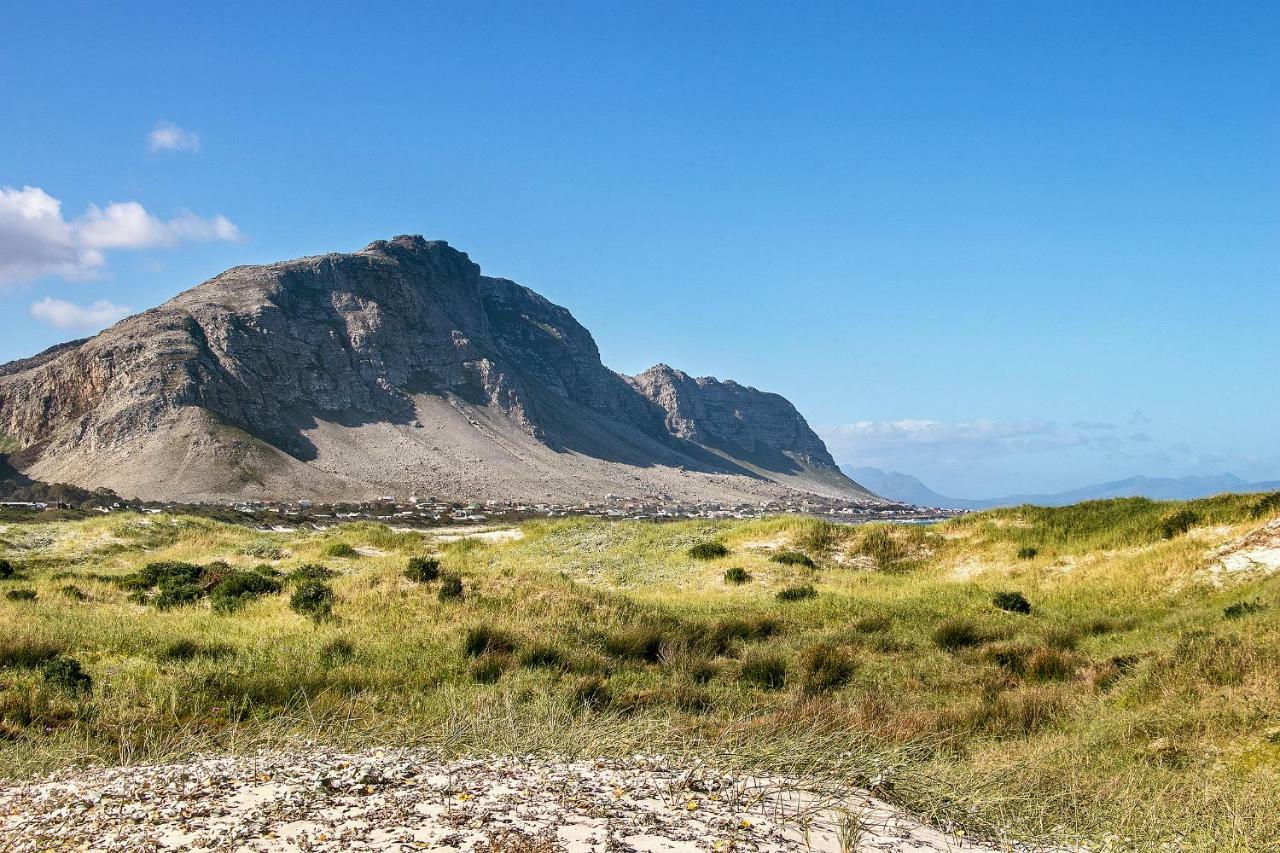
{"x":1137,"y":698}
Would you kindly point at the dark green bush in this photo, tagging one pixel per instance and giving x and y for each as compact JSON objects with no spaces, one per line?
{"x":794,"y":558}
{"x":708,"y":551}
{"x":21,"y":595}
{"x":826,"y":667}
{"x":737,"y":575}
{"x":450,"y":587}
{"x":959,"y":633}
{"x":422,"y":569}
{"x":238,"y":588}
{"x":67,"y":674}
{"x":484,"y":639}
{"x":73,"y":592}
{"x":1243,"y":608}
{"x":313,"y":599}
{"x":1178,"y":523}
{"x":1028,"y":552}
{"x":177,"y":595}
{"x":6,"y":569}
{"x":310,"y":572}
{"x":167,"y":573}
{"x":1267,"y":505}
{"x":341,"y":550}
{"x":1012,"y":602}
{"x":765,"y":670}
{"x":796,"y":593}
{"x":263,"y":550}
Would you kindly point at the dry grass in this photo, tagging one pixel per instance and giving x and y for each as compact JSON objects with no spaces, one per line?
{"x":1125,"y":703}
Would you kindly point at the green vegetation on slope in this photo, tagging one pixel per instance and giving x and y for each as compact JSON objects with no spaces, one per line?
{"x":1018,"y":671}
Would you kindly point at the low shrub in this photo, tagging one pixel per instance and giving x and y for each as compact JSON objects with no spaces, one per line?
{"x":67,"y":674}
{"x":737,"y":576}
{"x":177,"y":595}
{"x":238,"y":588}
{"x":1011,"y":657}
{"x":796,"y":593}
{"x":1012,"y":602}
{"x":765,"y":670}
{"x":591,"y":692}
{"x":263,"y":550}
{"x":826,"y":667}
{"x":313,"y":599}
{"x":73,"y":592}
{"x":1177,"y":523}
{"x":6,"y":569}
{"x":21,"y":595}
{"x":450,"y":588}
{"x":484,"y":639}
{"x":26,"y":652}
{"x":708,"y":551}
{"x":341,"y":550}
{"x":1243,"y":608}
{"x":422,"y":569}
{"x":310,"y":572}
{"x":954,"y":634}
{"x":1028,"y":552}
{"x":794,"y":558}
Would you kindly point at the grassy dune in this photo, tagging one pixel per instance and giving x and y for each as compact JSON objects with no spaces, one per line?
{"x":1137,"y":703}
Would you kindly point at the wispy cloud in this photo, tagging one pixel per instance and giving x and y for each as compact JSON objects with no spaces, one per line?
{"x":68,"y":315}
{"x":167,"y":136}
{"x":36,"y":240}
{"x":872,"y":442}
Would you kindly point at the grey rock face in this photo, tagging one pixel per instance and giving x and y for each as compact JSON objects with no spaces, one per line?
{"x":314,"y":375}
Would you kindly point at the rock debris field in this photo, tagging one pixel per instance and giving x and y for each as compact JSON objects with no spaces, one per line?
{"x":397,"y":800}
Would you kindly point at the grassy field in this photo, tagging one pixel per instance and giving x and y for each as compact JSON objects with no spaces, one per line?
{"x":1072,"y":674}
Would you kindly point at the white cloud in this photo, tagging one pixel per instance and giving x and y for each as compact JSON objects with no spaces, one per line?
{"x":929,"y":442}
{"x":68,"y":315}
{"x":167,"y":136}
{"x":35,"y":239}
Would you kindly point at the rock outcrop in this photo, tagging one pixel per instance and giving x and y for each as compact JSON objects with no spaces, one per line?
{"x":395,"y":369}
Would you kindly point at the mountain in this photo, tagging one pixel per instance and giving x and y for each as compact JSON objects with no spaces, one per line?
{"x":908,"y":489}
{"x":396,"y":369}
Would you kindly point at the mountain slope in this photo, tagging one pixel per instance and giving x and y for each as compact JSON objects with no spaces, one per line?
{"x":908,"y":489}
{"x":395,"y":369}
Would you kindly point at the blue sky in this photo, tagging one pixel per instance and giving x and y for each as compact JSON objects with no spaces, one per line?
{"x":1002,"y":246}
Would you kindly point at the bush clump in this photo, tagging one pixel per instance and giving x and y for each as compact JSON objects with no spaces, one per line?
{"x":1012,"y":602}
{"x":765,"y":670}
{"x":635,"y":642}
{"x":6,"y":569}
{"x":185,"y":650}
{"x":955,"y":634}
{"x":313,"y":599}
{"x":67,"y":674}
{"x":239,"y":588}
{"x":826,"y":667}
{"x":310,"y":572}
{"x":263,"y":550}
{"x":542,"y":656}
{"x":708,"y":551}
{"x":341,"y":550}
{"x":1175,"y":525}
{"x":737,"y":576}
{"x":21,"y":595}
{"x":422,"y":569}
{"x":591,"y":692}
{"x":796,"y":593}
{"x":73,"y":592}
{"x":1243,"y":608}
{"x":794,"y":558}
{"x":450,"y":588}
{"x":1028,"y":552}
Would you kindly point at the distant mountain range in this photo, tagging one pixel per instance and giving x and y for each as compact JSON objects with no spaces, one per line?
{"x":908,"y":489}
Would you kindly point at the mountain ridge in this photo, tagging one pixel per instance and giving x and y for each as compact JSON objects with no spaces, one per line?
{"x":906,"y":488}
{"x":397,"y":368}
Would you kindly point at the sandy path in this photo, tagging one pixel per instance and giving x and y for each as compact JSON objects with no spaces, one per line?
{"x":402,"y":800}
